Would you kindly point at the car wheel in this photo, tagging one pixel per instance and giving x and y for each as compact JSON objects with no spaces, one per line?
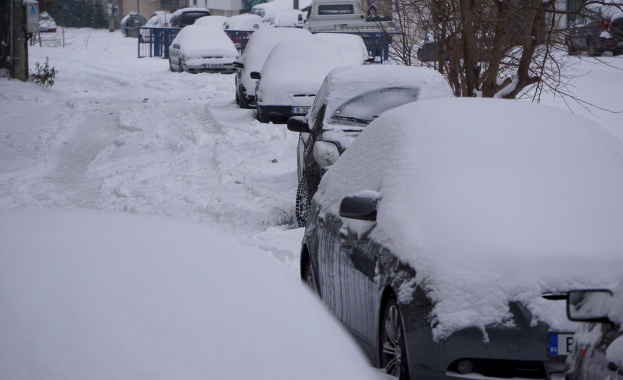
{"x":310,"y":278}
{"x":243,"y":101}
{"x":180,"y":69}
{"x":392,"y":342}
{"x":302,"y":202}
{"x":592,"y":49}
{"x":261,"y":117}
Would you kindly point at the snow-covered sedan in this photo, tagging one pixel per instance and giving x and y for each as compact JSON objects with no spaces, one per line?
{"x":448,"y":234}
{"x":348,"y":100}
{"x":200,"y":48}
{"x":291,"y":77}
{"x":260,"y":44}
{"x":597,"y":351}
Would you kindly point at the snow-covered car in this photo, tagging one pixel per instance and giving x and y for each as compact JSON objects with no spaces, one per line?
{"x":349,"y":99}
{"x":447,"y":236}
{"x":291,"y":77}
{"x":598,"y":28}
{"x":187,"y":16}
{"x":255,"y":53}
{"x":160,"y":19}
{"x":246,"y":22}
{"x":213,"y":21}
{"x":200,"y":48}
{"x":351,"y":46}
{"x":46,"y":23}
{"x":131,"y":23}
{"x":98,"y":295}
{"x":597,"y":351}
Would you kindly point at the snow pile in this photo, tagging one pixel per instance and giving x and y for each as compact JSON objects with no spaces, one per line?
{"x":205,"y":41}
{"x":491,"y":202}
{"x":96,"y":295}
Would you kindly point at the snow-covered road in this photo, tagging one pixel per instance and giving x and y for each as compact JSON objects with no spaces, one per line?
{"x":120,"y":133}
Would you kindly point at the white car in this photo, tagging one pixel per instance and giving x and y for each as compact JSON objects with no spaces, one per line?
{"x":291,"y":77}
{"x":257,"y":50}
{"x":160,"y":19}
{"x":200,"y":48}
{"x":351,"y":46}
{"x":97,"y":295}
{"x":246,"y":22}
{"x":213,"y":21}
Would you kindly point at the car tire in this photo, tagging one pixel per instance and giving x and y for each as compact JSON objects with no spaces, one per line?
{"x":592,"y":48}
{"x":302,"y":202}
{"x":310,"y":278}
{"x":392,"y":342}
{"x":180,"y":69}
{"x":171,"y":66}
{"x":243,"y":100}
{"x":261,"y":117}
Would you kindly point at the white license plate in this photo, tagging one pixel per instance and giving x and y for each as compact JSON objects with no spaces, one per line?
{"x":209,"y":66}
{"x":299,"y":110}
{"x":560,"y":344}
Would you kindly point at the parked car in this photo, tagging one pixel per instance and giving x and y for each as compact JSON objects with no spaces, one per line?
{"x":187,"y":16}
{"x":291,"y":77}
{"x":597,"y":29}
{"x":214,"y":21}
{"x":160,"y":19}
{"x":257,"y":50}
{"x":246,"y":22}
{"x":597,"y":351}
{"x":98,"y":295}
{"x":200,"y":48}
{"x":350,"y":46}
{"x":131,"y":23}
{"x":349,"y":99}
{"x":448,"y":234}
{"x":46,"y":23}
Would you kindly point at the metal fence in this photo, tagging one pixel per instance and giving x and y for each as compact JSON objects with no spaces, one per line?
{"x":154,"y":42}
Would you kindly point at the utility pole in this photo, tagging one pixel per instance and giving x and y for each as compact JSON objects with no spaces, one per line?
{"x":18,"y":41}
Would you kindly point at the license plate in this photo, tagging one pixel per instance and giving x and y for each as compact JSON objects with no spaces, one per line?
{"x":209,"y":66}
{"x":560,"y":344}
{"x":299,"y":110}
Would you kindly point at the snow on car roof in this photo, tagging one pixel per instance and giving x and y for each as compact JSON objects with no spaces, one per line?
{"x":490,"y":201}
{"x":203,"y":39}
{"x":349,"y":81}
{"x":213,"y":21}
{"x":350,"y":46}
{"x":246,"y":21}
{"x":299,"y":66}
{"x":262,"y":42}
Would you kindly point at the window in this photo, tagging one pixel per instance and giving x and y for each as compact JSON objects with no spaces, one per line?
{"x":336,"y":9}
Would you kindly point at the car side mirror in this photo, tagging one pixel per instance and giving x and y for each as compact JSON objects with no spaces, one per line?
{"x":589,"y":305}
{"x":255,"y":75}
{"x":325,"y":153}
{"x":176,"y":46}
{"x":238,"y":65}
{"x":298,"y":124}
{"x":360,"y":206}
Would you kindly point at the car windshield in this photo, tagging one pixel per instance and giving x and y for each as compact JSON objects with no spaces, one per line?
{"x":189,"y":17}
{"x":366,"y":107}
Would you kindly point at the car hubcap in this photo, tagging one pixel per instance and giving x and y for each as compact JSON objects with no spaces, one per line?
{"x":392,"y":351}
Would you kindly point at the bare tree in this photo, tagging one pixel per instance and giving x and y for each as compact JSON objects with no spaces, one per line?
{"x":488,"y":48}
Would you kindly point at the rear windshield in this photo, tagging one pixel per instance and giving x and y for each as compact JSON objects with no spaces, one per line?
{"x":188,"y":18}
{"x":336,"y":9}
{"x":368,"y":106}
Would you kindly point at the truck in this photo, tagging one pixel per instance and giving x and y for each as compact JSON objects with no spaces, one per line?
{"x":349,"y":16}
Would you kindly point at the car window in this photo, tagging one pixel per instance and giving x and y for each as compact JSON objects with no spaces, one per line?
{"x":366,"y":107}
{"x":188,"y":18}
{"x":336,"y":9}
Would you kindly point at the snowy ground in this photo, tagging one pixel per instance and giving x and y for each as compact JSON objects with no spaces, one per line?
{"x":119,"y":133}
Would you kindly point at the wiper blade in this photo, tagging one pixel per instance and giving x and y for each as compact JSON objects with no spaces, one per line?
{"x":350,"y":118}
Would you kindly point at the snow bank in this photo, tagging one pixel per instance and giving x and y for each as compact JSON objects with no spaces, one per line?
{"x":96,"y":295}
